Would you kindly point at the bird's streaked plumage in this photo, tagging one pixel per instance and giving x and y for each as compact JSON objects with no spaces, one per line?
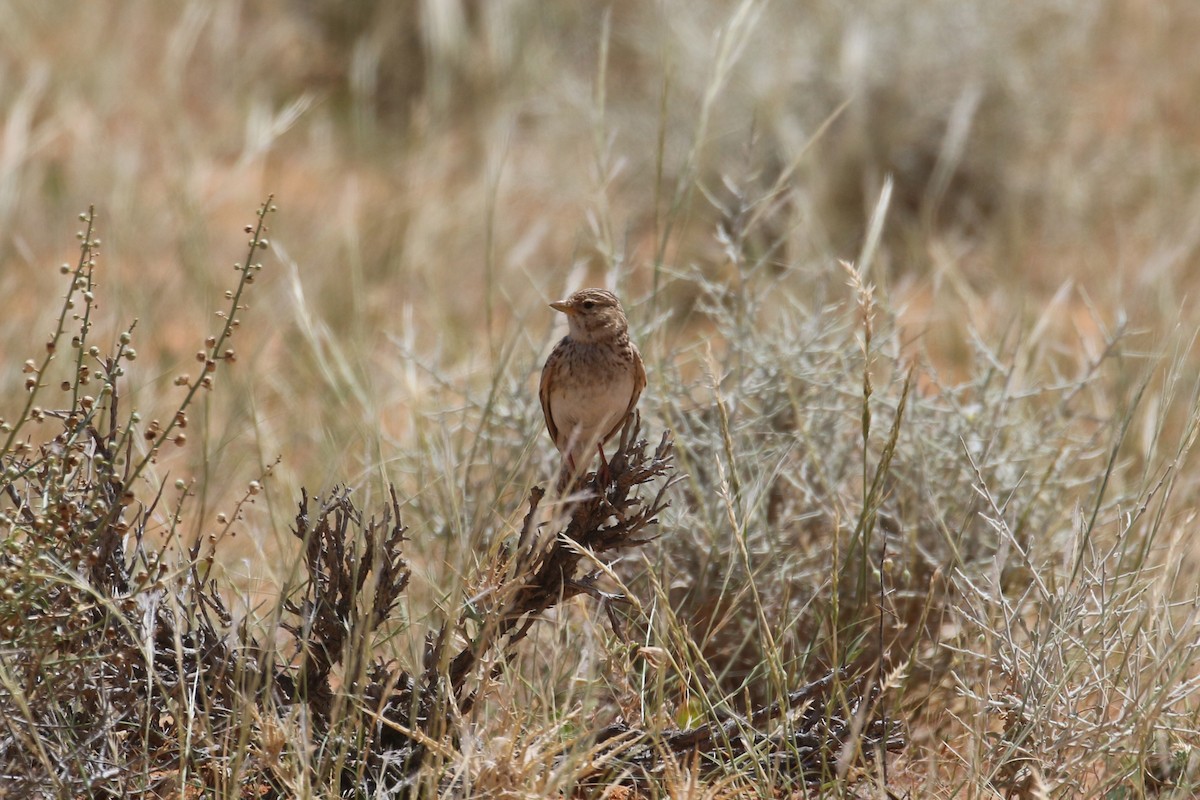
{"x":593,"y":378}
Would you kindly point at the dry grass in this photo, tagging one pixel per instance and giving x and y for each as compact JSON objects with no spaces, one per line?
{"x":960,"y":488}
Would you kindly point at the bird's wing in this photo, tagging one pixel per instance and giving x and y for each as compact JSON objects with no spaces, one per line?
{"x":639,"y":383}
{"x":544,"y":395}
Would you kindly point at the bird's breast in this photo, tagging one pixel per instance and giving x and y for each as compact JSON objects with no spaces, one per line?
{"x":593,"y":391}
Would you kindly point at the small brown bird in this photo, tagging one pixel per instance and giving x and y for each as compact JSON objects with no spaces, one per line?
{"x":592,"y":379}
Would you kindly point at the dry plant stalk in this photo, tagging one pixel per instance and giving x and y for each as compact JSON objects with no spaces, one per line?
{"x":411,"y":714}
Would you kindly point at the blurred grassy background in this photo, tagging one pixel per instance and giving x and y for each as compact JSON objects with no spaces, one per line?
{"x":444,"y":168}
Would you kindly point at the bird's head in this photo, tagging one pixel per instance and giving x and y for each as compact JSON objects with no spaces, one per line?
{"x":593,"y":315}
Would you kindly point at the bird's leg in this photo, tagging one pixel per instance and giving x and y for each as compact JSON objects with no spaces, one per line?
{"x":604,"y":474}
{"x":566,"y":473}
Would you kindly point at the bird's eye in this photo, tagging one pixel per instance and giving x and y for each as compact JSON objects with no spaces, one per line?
{"x":588,"y":305}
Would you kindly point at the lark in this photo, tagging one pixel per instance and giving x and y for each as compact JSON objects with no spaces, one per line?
{"x":592,"y":379}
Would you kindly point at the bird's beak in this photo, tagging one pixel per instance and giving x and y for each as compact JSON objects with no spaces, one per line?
{"x":563,"y":306}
